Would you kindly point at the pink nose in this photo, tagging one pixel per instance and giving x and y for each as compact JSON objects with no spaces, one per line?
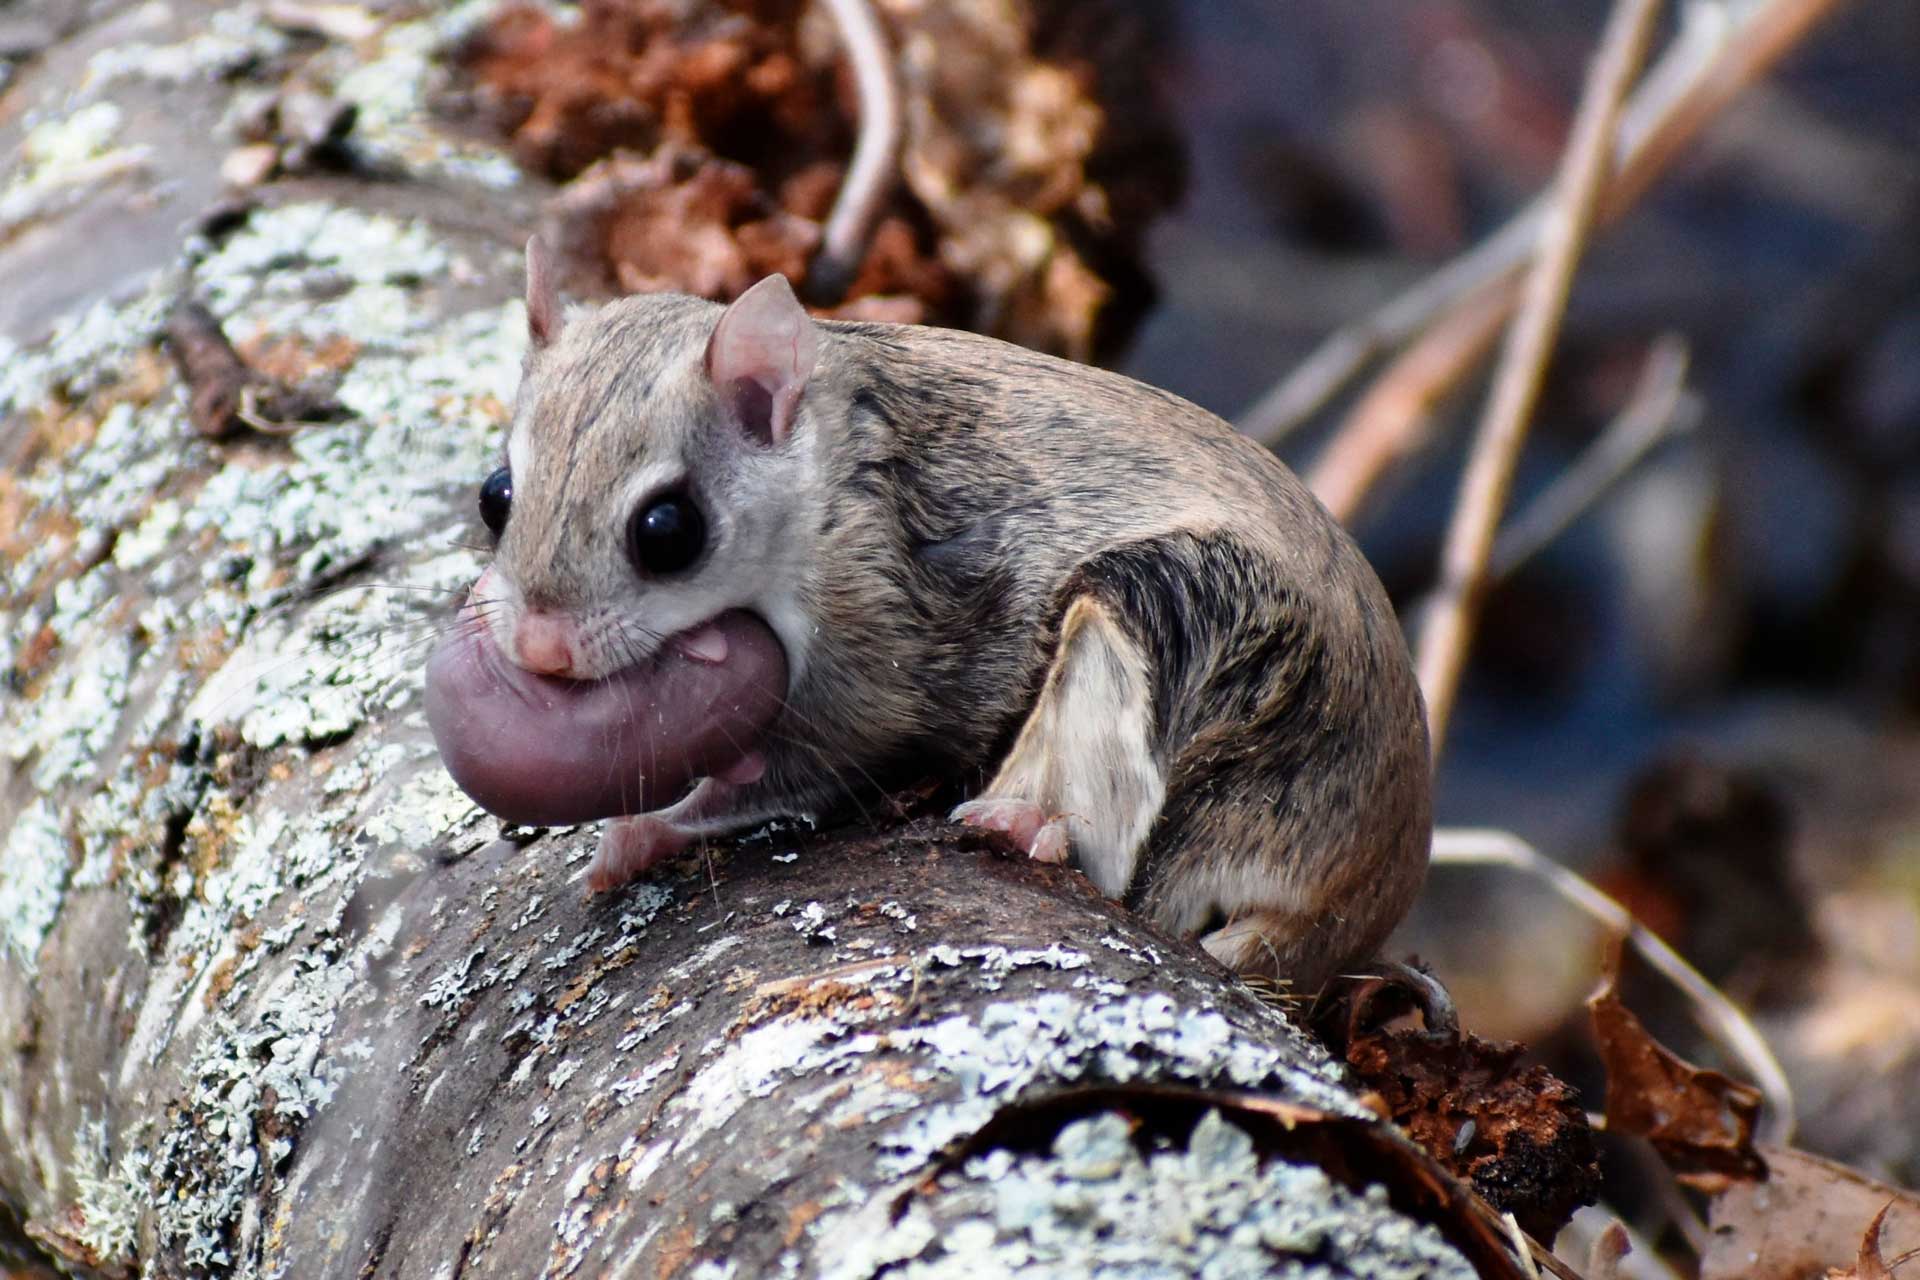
{"x":543,"y":644}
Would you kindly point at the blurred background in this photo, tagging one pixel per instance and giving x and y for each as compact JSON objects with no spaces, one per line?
{"x":1705,"y":693}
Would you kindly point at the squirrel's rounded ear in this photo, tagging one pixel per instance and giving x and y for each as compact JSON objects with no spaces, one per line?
{"x":543,"y":298}
{"x":760,"y":357}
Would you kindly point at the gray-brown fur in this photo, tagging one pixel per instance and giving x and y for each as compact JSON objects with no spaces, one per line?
{"x":1288,"y":725}
{"x":945,"y":498}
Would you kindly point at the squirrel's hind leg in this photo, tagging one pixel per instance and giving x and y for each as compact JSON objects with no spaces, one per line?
{"x":1082,"y":774}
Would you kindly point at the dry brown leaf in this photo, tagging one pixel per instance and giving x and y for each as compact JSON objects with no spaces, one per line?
{"x":1032,"y":162}
{"x":1700,"y":1121}
{"x":636,"y":73}
{"x":1809,"y":1217}
{"x":1868,"y":1264}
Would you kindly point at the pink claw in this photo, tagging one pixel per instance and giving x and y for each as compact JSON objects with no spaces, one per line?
{"x":1026,"y":825}
{"x":629,"y":846}
{"x":1050,"y":843}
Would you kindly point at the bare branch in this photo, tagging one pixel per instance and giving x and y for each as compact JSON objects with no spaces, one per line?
{"x":1522,"y":1246}
{"x":1483,"y":491}
{"x":1338,"y":360}
{"x":1660,"y":408}
{"x":1724,"y":46}
{"x":1395,"y":417}
{"x":873,"y":169}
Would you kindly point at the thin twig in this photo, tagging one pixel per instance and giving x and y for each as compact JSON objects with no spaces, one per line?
{"x":1449,"y":622}
{"x":1724,"y":46}
{"x":1395,"y":417}
{"x":251,"y":412}
{"x":1543,"y":1259}
{"x":1528,"y":1254}
{"x":1660,"y":408}
{"x":1339,"y":359}
{"x":874,"y":167}
{"x":1522,"y":1245}
{"x":1718,"y":1016}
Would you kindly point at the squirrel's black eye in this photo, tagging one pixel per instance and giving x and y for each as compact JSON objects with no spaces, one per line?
{"x":496,"y":501}
{"x":666,"y":535}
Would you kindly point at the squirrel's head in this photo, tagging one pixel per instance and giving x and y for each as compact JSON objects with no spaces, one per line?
{"x":662,"y":469}
{"x":653,"y":521}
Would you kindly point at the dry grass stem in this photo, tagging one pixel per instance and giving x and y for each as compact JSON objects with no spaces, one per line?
{"x":1338,"y":360}
{"x":874,"y":167}
{"x":1527,"y":1253}
{"x":1718,"y":1016}
{"x":1395,"y":417}
{"x":1659,"y":409}
{"x":1724,"y":46}
{"x":1543,"y":1258}
{"x":1522,"y":1245}
{"x":1448,"y":627}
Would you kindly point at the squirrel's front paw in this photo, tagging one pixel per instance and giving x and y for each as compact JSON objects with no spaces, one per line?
{"x":1027,"y":826}
{"x":628,"y":846}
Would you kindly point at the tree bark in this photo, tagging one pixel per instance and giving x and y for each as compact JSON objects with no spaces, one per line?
{"x":278,"y":1000}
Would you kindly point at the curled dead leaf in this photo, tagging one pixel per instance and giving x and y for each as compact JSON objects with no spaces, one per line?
{"x":1868,"y":1264}
{"x":1806,"y":1219}
{"x":1700,"y":1121}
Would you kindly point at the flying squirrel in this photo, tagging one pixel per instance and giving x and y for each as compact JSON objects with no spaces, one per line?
{"x":782,"y":561}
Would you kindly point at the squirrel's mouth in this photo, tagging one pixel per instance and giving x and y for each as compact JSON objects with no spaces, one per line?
{"x":546,"y":751}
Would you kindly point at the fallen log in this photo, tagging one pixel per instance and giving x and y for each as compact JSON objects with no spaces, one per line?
{"x":277,"y":999}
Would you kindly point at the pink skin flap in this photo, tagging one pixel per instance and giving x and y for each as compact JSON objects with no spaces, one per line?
{"x":545,"y":751}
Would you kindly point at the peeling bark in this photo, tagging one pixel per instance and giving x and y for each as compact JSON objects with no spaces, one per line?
{"x":278,"y":1000}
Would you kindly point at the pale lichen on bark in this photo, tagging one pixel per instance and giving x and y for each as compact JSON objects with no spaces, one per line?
{"x":280,"y":1001}
{"x":208,"y":557}
{"x":1092,"y":1205}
